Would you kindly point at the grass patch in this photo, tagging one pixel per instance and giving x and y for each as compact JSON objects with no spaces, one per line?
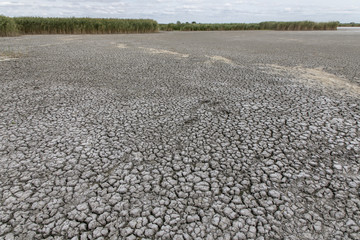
{"x":8,"y":27}
{"x":280,"y":26}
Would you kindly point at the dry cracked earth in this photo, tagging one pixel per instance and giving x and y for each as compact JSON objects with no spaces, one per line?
{"x":180,"y":135}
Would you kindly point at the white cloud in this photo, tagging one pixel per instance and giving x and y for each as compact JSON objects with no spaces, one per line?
{"x":190,"y":10}
{"x":10,"y":4}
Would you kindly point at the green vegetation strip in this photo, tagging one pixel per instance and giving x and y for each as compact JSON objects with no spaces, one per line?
{"x":37,"y":25}
{"x":281,"y":26}
{"x":352,"y":24}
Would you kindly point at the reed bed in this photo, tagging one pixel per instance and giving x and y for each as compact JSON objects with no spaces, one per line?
{"x":208,"y":27}
{"x":280,"y":26}
{"x":352,"y":24}
{"x":298,"y":26}
{"x":34,"y":25}
{"x":38,"y":25}
{"x":8,"y":27}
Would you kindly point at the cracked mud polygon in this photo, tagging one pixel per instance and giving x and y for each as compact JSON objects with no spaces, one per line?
{"x":181,"y":135}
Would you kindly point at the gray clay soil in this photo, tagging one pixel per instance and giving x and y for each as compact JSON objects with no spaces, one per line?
{"x":180,"y":135}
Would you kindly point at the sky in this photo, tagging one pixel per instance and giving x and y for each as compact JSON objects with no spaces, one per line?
{"x":203,"y":11}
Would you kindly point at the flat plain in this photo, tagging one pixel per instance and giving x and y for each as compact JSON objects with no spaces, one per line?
{"x":180,"y":135}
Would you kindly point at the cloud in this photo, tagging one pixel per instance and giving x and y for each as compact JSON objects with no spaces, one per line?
{"x":190,"y":10}
{"x":11,"y":4}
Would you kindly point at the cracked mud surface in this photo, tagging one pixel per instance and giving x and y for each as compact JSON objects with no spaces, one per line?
{"x":216,"y":135}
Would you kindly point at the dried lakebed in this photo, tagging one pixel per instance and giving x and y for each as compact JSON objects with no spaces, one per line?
{"x":180,"y":135}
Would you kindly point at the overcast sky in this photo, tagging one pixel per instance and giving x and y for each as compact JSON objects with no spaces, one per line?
{"x":210,"y":11}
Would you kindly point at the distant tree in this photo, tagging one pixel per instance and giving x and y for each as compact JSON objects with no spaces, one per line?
{"x":193,"y":22}
{"x":178,"y":22}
